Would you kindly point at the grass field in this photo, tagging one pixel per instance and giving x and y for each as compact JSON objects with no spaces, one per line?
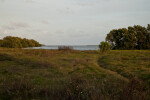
{"x":74,"y":75}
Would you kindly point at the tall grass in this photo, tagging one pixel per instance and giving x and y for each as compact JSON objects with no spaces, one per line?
{"x":75,"y":75}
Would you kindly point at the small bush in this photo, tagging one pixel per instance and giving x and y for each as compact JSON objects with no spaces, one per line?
{"x":65,"y":48}
{"x":104,"y":46}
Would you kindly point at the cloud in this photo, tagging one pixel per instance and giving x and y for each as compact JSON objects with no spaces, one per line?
{"x":35,"y":31}
{"x":8,"y":27}
{"x":29,"y":1}
{"x":5,"y":29}
{"x":12,"y":27}
{"x":89,"y":20}
{"x":65,"y":10}
{"x":59,"y":32}
{"x":86,"y":3}
{"x":76,"y":33}
{"x":19,"y":24}
{"x":5,"y":32}
{"x":45,"y":22}
{"x":2,"y":1}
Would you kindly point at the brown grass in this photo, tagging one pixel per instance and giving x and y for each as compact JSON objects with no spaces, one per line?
{"x":74,"y":75}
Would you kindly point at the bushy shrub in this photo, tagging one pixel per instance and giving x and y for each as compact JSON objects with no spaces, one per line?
{"x":16,"y":42}
{"x":104,"y":46}
{"x":66,"y":48}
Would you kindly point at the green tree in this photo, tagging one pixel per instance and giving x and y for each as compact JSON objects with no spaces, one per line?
{"x":16,"y":42}
{"x":1,"y":42}
{"x":24,"y":43}
{"x":136,"y":37}
{"x":104,"y":46}
{"x":141,"y":36}
{"x":12,"y":42}
{"x":37,"y":44}
{"x":117,"y":38}
{"x":148,"y":36}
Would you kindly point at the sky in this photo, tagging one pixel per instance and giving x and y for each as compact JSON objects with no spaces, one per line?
{"x":70,"y":22}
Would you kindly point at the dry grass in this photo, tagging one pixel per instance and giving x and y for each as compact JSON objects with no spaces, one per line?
{"x":128,"y":63}
{"x":75,"y":75}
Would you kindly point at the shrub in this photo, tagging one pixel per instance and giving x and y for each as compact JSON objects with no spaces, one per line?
{"x":104,"y":46}
{"x":65,"y":48}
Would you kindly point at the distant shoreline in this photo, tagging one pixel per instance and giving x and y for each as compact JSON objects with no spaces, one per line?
{"x":69,"y":45}
{"x":75,"y":47}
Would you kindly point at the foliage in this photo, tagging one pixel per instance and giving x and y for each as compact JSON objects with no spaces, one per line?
{"x":104,"y":46}
{"x":136,"y":37}
{"x":16,"y":42}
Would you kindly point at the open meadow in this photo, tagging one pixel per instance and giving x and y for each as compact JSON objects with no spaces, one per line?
{"x":27,"y":74}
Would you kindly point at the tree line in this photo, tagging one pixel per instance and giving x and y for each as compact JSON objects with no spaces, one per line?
{"x":17,"y":42}
{"x":136,"y":37}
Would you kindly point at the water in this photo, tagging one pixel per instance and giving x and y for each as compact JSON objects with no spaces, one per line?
{"x":77,"y":47}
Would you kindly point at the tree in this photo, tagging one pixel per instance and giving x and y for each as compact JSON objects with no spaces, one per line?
{"x":16,"y":42}
{"x":1,"y":42}
{"x":141,"y":36}
{"x":104,"y":46}
{"x":148,"y":36}
{"x":136,"y":37}
{"x":24,"y":43}
{"x":12,"y":42}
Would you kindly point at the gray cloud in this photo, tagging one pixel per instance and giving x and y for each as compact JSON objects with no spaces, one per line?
{"x":4,"y":32}
{"x":29,"y":1}
{"x":66,"y":10}
{"x":19,"y":24}
{"x":85,"y":3}
{"x":76,"y":33}
{"x":2,"y":0}
{"x":63,"y":21}
{"x":59,"y":32}
{"x":45,"y":22}
{"x":37,"y":31}
{"x":8,"y":27}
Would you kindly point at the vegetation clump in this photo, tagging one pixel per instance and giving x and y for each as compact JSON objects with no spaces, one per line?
{"x":17,"y":42}
{"x":131,"y":38}
{"x":66,"y":48}
{"x":104,"y":47}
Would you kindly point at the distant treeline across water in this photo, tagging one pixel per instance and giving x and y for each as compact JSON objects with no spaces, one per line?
{"x":74,"y":47}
